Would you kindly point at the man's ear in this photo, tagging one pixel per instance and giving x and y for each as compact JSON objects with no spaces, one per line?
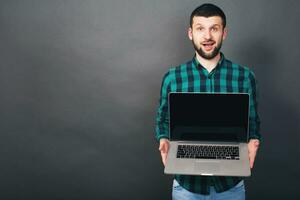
{"x":225,"y":33}
{"x":190,"y":34}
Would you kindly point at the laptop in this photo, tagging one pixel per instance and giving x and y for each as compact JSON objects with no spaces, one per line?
{"x":208,"y":134}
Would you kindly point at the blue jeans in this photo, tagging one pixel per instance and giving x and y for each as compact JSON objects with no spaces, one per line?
{"x":235,"y":193}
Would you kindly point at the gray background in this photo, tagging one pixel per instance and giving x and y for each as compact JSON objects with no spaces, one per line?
{"x":80,"y":81}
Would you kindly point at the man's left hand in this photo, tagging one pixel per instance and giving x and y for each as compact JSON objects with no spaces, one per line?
{"x":252,"y":149}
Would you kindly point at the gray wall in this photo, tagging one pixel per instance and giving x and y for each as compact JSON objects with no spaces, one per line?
{"x":80,"y":81}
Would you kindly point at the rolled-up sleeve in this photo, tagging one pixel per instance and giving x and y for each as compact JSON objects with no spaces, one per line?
{"x":254,"y":120}
{"x":162,"y":116}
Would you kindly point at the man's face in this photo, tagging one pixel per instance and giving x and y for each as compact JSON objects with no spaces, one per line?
{"x":207,"y":34}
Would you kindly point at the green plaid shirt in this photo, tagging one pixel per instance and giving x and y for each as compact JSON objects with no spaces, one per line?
{"x":226,"y":77}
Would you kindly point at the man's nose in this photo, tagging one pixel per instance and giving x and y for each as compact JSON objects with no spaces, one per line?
{"x":207,"y":34}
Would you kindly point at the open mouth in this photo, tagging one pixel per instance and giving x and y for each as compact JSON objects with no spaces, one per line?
{"x":208,"y":45}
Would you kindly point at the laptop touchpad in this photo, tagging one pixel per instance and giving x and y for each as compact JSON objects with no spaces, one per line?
{"x":209,"y":167}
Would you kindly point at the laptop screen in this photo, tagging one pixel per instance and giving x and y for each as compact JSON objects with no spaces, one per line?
{"x":209,"y":117}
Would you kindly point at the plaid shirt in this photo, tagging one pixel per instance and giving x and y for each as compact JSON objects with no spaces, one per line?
{"x":226,"y":77}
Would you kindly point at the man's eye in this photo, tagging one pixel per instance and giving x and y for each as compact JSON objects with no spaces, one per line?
{"x":214,"y":29}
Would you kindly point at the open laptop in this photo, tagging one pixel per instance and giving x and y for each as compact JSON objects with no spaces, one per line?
{"x":208,"y":134}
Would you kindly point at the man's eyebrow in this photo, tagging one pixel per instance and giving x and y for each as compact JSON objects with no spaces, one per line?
{"x":199,"y":24}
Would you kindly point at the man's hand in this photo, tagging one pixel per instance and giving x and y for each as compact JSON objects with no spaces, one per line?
{"x":164,"y":146}
{"x":252,"y":149}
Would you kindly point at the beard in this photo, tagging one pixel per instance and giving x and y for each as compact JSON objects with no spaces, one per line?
{"x":208,"y":56}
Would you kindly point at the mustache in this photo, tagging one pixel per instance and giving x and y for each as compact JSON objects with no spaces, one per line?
{"x":206,"y":41}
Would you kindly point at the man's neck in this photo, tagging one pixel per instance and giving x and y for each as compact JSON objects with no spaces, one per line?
{"x":209,"y":65}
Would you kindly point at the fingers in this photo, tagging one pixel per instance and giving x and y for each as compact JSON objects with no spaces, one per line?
{"x":164,"y":148}
{"x":251,"y":160}
{"x":252,"y":149}
{"x":164,"y":158}
{"x":252,"y":155}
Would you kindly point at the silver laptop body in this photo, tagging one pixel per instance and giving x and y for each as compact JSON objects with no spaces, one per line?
{"x":202,"y":124}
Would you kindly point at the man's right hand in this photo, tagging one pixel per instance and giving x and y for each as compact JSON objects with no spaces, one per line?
{"x":164,"y":146}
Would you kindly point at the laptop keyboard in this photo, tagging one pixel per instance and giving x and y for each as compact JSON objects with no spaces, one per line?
{"x":208,"y":152}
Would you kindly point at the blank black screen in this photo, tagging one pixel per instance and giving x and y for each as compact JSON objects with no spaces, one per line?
{"x":209,"y":117}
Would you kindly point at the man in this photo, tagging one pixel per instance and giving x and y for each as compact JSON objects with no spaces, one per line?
{"x":208,"y":71}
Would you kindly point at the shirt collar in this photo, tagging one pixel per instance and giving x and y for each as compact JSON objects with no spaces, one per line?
{"x":220,"y":63}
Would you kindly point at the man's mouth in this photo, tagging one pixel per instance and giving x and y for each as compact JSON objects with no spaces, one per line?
{"x":208,"y":45}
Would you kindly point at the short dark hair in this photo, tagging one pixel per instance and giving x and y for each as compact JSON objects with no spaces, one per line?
{"x":208,"y":10}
